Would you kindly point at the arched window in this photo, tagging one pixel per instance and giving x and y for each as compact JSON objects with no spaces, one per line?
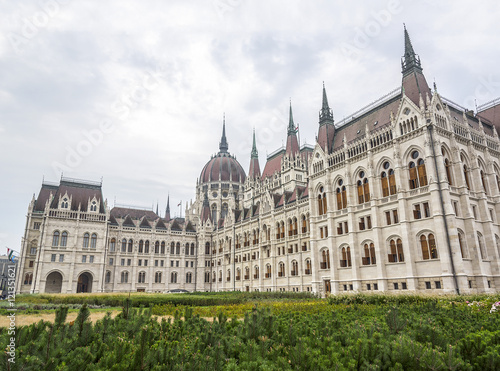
{"x":497,"y":242}
{"x":112,"y":245}
{"x":290,"y":228}
{"x":341,"y":195}
{"x":295,"y":227}
{"x":173,"y":277}
{"x":158,"y":277}
{"x":346,"y":257}
{"x":172,"y":248}
{"x":256,"y":272}
{"x":55,"y":238}
{"x":281,"y":269}
{"x":86,"y":238}
{"x":192,"y":249}
{"x":282,"y":229}
{"x":417,"y":171}
{"x":93,"y":241}
{"x":325,"y":259}
{"x":462,"y":243}
{"x":107,"y":278}
{"x":28,"y":278}
{"x":220,"y":276}
{"x":130,"y":245}
{"x":363,"y":188}
{"x":228,"y":278}
{"x":214,"y":213}
{"x":369,"y":258}
{"x":304,"y":224}
{"x":308,"y":267}
{"x":146,"y":247}
{"x":64,"y":239}
{"x":482,"y":249}
{"x":186,"y":249}
{"x":34,"y":244}
{"x":396,"y":251}
{"x":247,"y":273}
{"x":124,"y":245}
{"x":484,"y":182}
{"x":178,"y":248}
{"x":238,"y":274}
{"x":388,"y":180}
{"x":142,"y":277}
{"x":207,"y":248}
{"x":295,"y":268}
{"x":428,"y":246}
{"x":157,"y":247}
{"x":268,"y":271}
{"x":124,"y":277}
{"x":224,"y":210}
{"x":163,"y":247}
{"x":141,"y":246}
{"x":189,"y":277}
{"x":322,"y":206}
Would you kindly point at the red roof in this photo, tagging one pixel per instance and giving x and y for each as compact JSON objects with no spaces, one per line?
{"x":491,"y":115}
{"x":122,"y":212}
{"x":224,"y":167}
{"x":415,"y":84}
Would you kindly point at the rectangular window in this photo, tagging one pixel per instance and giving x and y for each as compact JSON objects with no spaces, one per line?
{"x":375,"y":286}
{"x":491,"y":215}
{"x":396,"y":286}
{"x":346,"y":227}
{"x":470,"y":284}
{"x":161,"y":263}
{"x":32,"y":262}
{"x":361,"y":224}
{"x":438,"y":284}
{"x":369,"y":222}
{"x":192,"y":263}
{"x":427,"y":211}
{"x":395,"y":216}
{"x":140,"y":262}
{"x":388,"y":217}
{"x":345,"y":287}
{"x":403,"y":285}
{"x":474,"y":211}
{"x":176,"y":263}
{"x":129,"y":261}
{"x":320,"y":232}
{"x":326,"y":232}
{"x":416,"y":212}
{"x":156,"y":263}
{"x":427,"y":285}
{"x":84,"y":258}
{"x":368,"y":286}
{"x":111,"y":261}
{"x":187,"y":264}
{"x":339,"y":228}
{"x":36,"y":225}
{"x":61,"y":258}
{"x":122,"y":263}
{"x":91,"y":258}
{"x":145,"y":262}
{"x":171,"y":263}
{"x":351,"y":287}
{"x":455,"y":207}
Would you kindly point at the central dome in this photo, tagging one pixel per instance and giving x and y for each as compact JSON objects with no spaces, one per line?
{"x":222,"y":167}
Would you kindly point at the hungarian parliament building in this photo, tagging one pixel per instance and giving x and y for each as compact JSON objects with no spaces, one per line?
{"x":403,"y":196}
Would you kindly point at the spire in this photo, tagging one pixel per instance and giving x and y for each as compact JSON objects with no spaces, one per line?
{"x":254,"y":154}
{"x":223,"y":146}
{"x":292,"y":145}
{"x":254,"y":171}
{"x":157,"y":208}
{"x":326,"y":130}
{"x":410,"y":61}
{"x":291,"y":125}
{"x":326,"y":113}
{"x":167,"y":211}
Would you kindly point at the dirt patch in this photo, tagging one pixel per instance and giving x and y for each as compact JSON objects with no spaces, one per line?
{"x":28,"y":319}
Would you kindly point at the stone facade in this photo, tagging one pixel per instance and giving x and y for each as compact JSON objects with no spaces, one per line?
{"x":403,"y":195}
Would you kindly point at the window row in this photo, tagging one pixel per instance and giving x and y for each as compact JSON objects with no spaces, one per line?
{"x":61,"y":239}
{"x":141,"y":277}
{"x":159,"y":247}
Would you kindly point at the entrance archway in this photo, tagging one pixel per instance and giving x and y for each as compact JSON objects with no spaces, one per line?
{"x":53,"y":283}
{"x":84,"y":283}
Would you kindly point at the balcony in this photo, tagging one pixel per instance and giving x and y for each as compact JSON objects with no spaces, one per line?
{"x":294,"y":273}
{"x":268,"y":275}
{"x":323,"y":265}
{"x":247,"y":276}
{"x":367,"y":260}
{"x":343,"y":263}
{"x":290,"y":250}
{"x":255,"y":276}
{"x":281,"y":274}
{"x":307,"y":271}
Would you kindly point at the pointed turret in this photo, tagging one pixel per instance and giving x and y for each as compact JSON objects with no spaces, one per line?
{"x":223,"y":146}
{"x":254,"y":171}
{"x":167,"y":211}
{"x":157,"y":208}
{"x":292,"y":145}
{"x":414,"y":82}
{"x":326,"y":130}
{"x":205,"y":210}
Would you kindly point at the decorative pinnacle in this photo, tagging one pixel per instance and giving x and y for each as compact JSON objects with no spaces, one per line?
{"x":254,"y":154}
{"x":223,"y":146}
{"x":326,"y":114}
{"x":410,"y":59}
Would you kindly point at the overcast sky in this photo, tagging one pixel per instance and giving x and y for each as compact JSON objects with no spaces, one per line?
{"x":134,"y":92}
